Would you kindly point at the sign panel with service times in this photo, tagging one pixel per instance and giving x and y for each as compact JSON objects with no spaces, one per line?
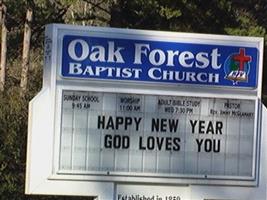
{"x":156,"y":135}
{"x":142,"y":107}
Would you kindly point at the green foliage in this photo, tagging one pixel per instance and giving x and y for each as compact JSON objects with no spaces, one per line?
{"x":169,"y":13}
{"x":247,"y":26}
{"x":184,"y":15}
{"x":13,"y":130}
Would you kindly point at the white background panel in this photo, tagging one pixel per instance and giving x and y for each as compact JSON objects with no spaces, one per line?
{"x":227,"y":150}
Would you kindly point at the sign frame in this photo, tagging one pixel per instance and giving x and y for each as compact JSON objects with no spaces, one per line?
{"x":132,"y":177}
{"x":45,"y":113}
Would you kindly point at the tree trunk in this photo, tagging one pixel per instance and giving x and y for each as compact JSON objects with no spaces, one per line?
{"x":3,"y":48}
{"x":1,"y":10}
{"x":84,"y":13}
{"x":26,"y":52}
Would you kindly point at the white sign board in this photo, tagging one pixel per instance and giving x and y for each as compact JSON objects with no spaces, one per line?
{"x":152,"y":135}
{"x":124,"y":109}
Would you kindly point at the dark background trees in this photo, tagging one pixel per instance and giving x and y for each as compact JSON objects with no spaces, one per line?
{"x":202,"y":16}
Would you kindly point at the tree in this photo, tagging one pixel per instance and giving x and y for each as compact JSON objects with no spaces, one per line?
{"x":26,"y":51}
{"x":3,"y":46}
{"x":186,"y":15}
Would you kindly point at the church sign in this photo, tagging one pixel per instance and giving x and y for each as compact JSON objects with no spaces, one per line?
{"x":88,"y":57}
{"x":139,"y":107}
